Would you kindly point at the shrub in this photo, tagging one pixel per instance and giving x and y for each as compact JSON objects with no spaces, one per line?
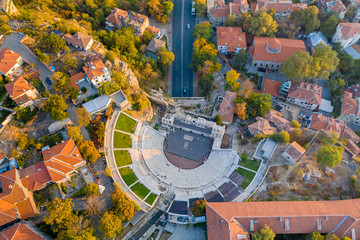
{"x":330,"y":155}
{"x":218,"y":120}
{"x":281,"y":137}
{"x":258,"y":137}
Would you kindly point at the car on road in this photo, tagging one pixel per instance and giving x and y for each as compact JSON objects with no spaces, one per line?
{"x":188,"y":26}
{"x":261,"y":69}
{"x":48,"y":81}
{"x":185,"y":90}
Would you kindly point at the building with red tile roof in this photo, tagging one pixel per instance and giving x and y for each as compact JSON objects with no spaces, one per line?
{"x":139,"y":23}
{"x":262,"y":125}
{"x":218,"y":11}
{"x":354,"y":89}
{"x":336,"y":6}
{"x":305,"y":95}
{"x":227,"y":107}
{"x":22,"y":92}
{"x":347,"y":34}
{"x":10,"y":61}
{"x":96,"y":72}
{"x":154,"y":30}
{"x":271,"y":87}
{"x":62,"y":159}
{"x":117,"y":19}
{"x":283,"y":8}
{"x":328,"y":124}
{"x":230,"y":39}
{"x":281,"y":123}
{"x":76,"y":78}
{"x":35,"y":177}
{"x":16,"y":202}
{"x":273,"y":52}
{"x":237,"y":220}
{"x":350,"y":111}
{"x":19,"y":231}
{"x":293,"y":152}
{"x":79,"y":40}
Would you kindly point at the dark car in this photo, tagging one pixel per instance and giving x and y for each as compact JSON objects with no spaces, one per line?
{"x":261,"y":69}
{"x":184,"y":90}
{"x":48,"y":81}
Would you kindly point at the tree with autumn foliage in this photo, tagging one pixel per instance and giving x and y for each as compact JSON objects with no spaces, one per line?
{"x":198,"y":208}
{"x":232,"y":80}
{"x":123,"y":206}
{"x":247,"y":87}
{"x":110,"y":225}
{"x":240,"y":110}
{"x":203,"y":51}
{"x":160,"y":9}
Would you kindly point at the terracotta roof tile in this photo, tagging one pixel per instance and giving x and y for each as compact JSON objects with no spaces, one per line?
{"x":79,"y":39}
{"x":19,"y":232}
{"x":75,"y":78}
{"x":26,"y":208}
{"x":262,"y":125}
{"x":276,"y":49}
{"x":222,"y":12}
{"x":8,"y":59}
{"x":295,"y":150}
{"x":353,"y":147}
{"x":280,"y":122}
{"x":231,"y":37}
{"x":349,"y":30}
{"x":282,"y":217}
{"x":227,"y":106}
{"x":271,"y":87}
{"x":277,"y":5}
{"x":307,"y":92}
{"x":35,"y":176}
{"x":153,"y":30}
{"x":350,"y":105}
{"x":116,"y":16}
{"x":7,"y":212}
{"x":18,"y":87}
{"x":95,"y":68}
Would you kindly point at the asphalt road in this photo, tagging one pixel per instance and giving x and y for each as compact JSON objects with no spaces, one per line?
{"x":13,"y":43}
{"x":147,"y":225}
{"x":182,"y":41}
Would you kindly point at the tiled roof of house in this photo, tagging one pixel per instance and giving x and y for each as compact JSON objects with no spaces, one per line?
{"x":95,"y":68}
{"x":8,"y":59}
{"x":227,"y":106}
{"x":18,"y":87}
{"x":231,"y":37}
{"x":115,"y":15}
{"x":61,"y":159}
{"x":276,"y":49}
{"x":277,"y":5}
{"x":295,"y":150}
{"x":353,"y":50}
{"x":220,"y":12}
{"x":354,"y":89}
{"x":329,"y":124}
{"x":19,"y":232}
{"x":307,"y":92}
{"x":79,"y":39}
{"x":155,"y":45}
{"x":350,"y":105}
{"x":333,"y":5}
{"x":349,"y":30}
{"x":271,"y":87}
{"x":153,"y":30}
{"x":227,"y":220}
{"x":262,"y":125}
{"x":15,"y":200}
{"x":74,"y":78}
{"x":35,"y":176}
{"x":280,"y":122}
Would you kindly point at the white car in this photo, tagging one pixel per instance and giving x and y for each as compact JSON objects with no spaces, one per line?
{"x":188,"y":26}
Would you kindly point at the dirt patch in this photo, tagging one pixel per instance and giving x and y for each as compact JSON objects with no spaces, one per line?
{"x":308,"y":180}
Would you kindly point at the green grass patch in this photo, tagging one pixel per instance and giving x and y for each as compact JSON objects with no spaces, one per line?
{"x":251,"y":164}
{"x":248,"y":177}
{"x":126,"y":124}
{"x":151,"y":198}
{"x":121,"y":140}
{"x":140,"y":190}
{"x":127,"y":175}
{"x":122,"y":158}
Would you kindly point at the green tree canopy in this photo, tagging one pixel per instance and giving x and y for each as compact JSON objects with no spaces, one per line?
{"x":262,"y":24}
{"x":311,"y":21}
{"x":325,"y":61}
{"x":330,"y":155}
{"x":166,"y":57}
{"x":203,"y":51}
{"x":160,"y":10}
{"x":52,"y":43}
{"x":315,"y":236}
{"x":56,"y":107}
{"x":328,"y":28}
{"x":200,"y":6}
{"x":218,"y":120}
{"x":298,"y":66}
{"x":281,"y":137}
{"x":259,"y":104}
{"x":59,"y":214}
{"x":266,"y":233}
{"x":61,"y":81}
{"x":205,"y":84}
{"x":295,"y":124}
{"x":203,"y":30}
{"x":74,"y":133}
{"x":82,"y":116}
{"x":198,"y":208}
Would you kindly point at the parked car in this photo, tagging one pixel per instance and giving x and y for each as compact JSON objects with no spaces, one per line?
{"x":260,"y":69}
{"x":184,"y":90}
{"x":48,"y":81}
{"x":188,"y":26}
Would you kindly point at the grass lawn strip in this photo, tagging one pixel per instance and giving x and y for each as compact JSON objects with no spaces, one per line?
{"x":127,"y":175}
{"x":121,"y":140}
{"x":125,"y":124}
{"x":140,"y":190}
{"x":151,"y":198}
{"x":250,"y":164}
{"x":248,"y":177}
{"x":122,"y":158}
